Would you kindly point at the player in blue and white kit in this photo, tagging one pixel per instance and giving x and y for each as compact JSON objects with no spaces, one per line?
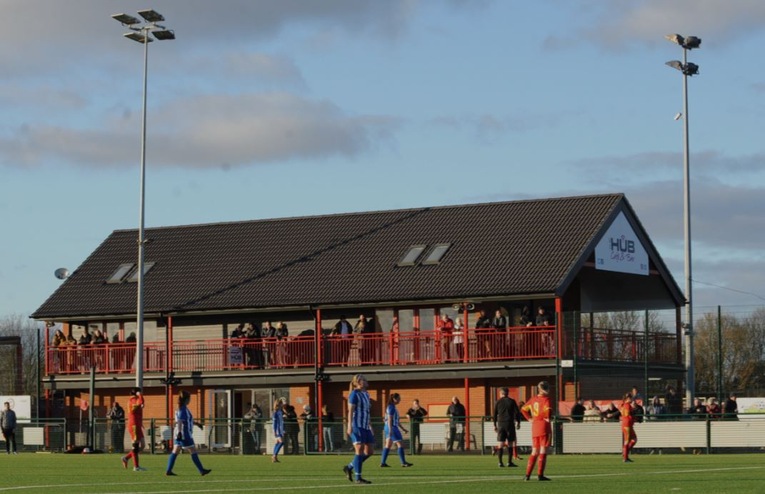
{"x":359,"y":427}
{"x":184,"y":435}
{"x":277,"y":419}
{"x":392,"y":433}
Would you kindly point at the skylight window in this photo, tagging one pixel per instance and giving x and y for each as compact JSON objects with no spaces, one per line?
{"x":436,"y":254}
{"x":122,"y":271}
{"x":412,"y":255}
{"x":134,"y":275}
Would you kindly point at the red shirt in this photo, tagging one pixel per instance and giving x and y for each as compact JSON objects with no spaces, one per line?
{"x":627,"y":419}
{"x":135,"y":410}
{"x":537,"y":410}
{"x":446,"y":326}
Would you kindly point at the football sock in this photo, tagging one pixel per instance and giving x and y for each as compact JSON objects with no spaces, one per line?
{"x":542,"y":464}
{"x":171,"y":462}
{"x":530,"y":464}
{"x":384,"y":456}
{"x":357,"y":465}
{"x":195,"y":459}
{"x":401,"y":455}
{"x":501,"y":453}
{"x":515,"y":451}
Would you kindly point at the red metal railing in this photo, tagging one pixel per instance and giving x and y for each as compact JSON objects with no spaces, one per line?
{"x":374,"y":349}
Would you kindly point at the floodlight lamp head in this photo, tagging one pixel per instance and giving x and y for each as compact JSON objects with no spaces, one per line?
{"x":678,"y":116}
{"x":692,"y":42}
{"x":164,"y":34}
{"x":675,"y":38}
{"x":675,"y":64}
{"x":151,"y":15}
{"x":139,"y":37}
{"x":691,"y":69}
{"x":125,"y":19}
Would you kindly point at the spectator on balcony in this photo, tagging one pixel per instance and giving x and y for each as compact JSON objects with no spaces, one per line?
{"x":459,"y":338}
{"x":416,"y":415}
{"x":698,"y":411}
{"x":253,"y":348}
{"x":59,"y":351}
{"x":592,"y":413}
{"x":731,"y":408}
{"x":343,"y":333}
{"x":282,"y":351}
{"x":713,"y":409}
{"x":85,"y":338}
{"x":612,"y":413}
{"x":482,"y":334}
{"x":269,"y":332}
{"x":542,"y":318}
{"x":445,"y":330}
{"x":500,"y":343}
{"x":525,"y":319}
{"x":365,"y":344}
{"x":457,"y":416}
{"x":238,"y":332}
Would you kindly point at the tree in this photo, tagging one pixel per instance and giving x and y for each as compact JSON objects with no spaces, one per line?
{"x":27,"y":330}
{"x":742,"y":348}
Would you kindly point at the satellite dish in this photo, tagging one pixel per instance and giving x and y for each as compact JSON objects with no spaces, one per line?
{"x":61,"y":273}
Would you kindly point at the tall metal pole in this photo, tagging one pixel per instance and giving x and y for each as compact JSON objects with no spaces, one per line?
{"x":141,"y":239}
{"x":688,"y":330}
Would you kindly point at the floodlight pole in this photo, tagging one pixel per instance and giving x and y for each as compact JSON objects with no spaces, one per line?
{"x":141,"y":218}
{"x":145,"y":28}
{"x":686,"y":44}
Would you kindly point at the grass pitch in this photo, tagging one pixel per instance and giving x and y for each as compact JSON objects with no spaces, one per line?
{"x":570,"y":474}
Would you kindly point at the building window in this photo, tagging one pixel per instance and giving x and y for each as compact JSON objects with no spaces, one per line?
{"x":134,"y":275}
{"x":436,"y":254}
{"x":119,"y":275}
{"x":412,"y":255}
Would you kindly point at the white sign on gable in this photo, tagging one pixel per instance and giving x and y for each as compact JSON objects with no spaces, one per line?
{"x":620,"y":250}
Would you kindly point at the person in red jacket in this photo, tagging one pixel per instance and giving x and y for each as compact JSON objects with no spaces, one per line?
{"x":627,"y":419}
{"x":537,"y":411}
{"x":135,"y":427}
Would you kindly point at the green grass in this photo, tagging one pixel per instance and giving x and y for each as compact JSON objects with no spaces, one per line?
{"x":570,"y":474}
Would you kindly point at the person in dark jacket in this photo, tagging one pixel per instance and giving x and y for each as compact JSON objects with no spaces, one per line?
{"x":8,"y":425}
{"x":457,"y":416}
{"x":507,"y":419}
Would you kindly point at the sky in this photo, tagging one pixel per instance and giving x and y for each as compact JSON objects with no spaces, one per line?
{"x":268,"y":109}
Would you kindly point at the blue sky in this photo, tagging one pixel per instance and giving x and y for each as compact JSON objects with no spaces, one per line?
{"x":265,"y":109}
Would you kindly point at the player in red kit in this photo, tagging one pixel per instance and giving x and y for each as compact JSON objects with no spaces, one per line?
{"x":537,"y":411}
{"x":628,"y":427}
{"x":135,"y":427}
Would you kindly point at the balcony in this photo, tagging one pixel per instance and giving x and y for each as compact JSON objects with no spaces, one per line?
{"x":375,"y":349}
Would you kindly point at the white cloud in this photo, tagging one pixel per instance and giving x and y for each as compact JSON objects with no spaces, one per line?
{"x":210,"y":131}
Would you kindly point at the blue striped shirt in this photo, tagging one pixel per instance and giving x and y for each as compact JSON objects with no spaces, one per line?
{"x":278,"y":420}
{"x":391,"y":412}
{"x":184,"y":424}
{"x":361,"y":418}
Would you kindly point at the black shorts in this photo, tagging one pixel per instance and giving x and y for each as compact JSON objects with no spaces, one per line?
{"x":506,"y":432}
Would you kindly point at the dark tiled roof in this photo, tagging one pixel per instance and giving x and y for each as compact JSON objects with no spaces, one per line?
{"x":506,"y":248}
